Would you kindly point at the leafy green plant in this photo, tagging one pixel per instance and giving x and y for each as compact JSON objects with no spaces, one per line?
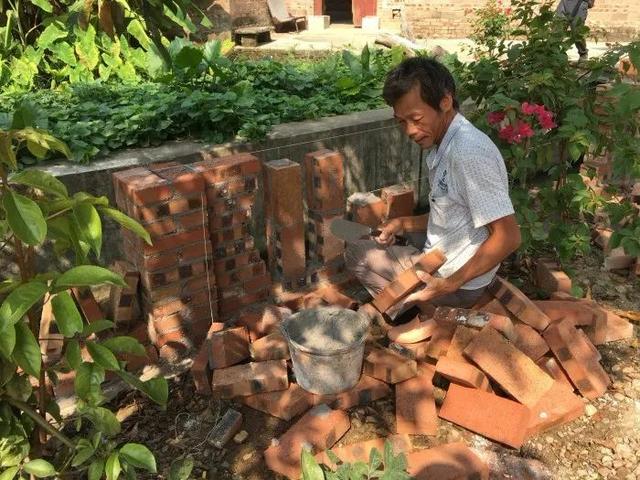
{"x":34,"y":438}
{"x":490,"y":23}
{"x":546,"y":115}
{"x":387,"y":466}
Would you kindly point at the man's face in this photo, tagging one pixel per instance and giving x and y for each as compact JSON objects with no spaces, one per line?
{"x":421,"y":122}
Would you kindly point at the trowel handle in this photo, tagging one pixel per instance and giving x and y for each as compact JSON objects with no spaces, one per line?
{"x":400,"y":241}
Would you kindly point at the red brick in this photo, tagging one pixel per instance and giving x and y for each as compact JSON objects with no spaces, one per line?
{"x":226,"y":428}
{"x":577,"y":313}
{"x":88,"y":305}
{"x":559,"y":405}
{"x":415,"y":404}
{"x":239,"y":300}
{"x":233,"y":263}
{"x":388,"y":366}
{"x":245,"y":201}
{"x":216,"y":170}
{"x":577,"y":359}
{"x":323,"y":244}
{"x":234,"y":187}
{"x":177,"y":339}
{"x":142,"y":186}
{"x":452,"y":461}
{"x":553,"y":369}
{"x":182,"y":178}
{"x":407,"y":281}
{"x":367,"y":390}
{"x":167,"y":242}
{"x":229,"y":219}
{"x":414,"y":351}
{"x":182,"y":255}
{"x":283,"y":193}
{"x":496,"y":418}
{"x":400,"y":200}
{"x":241,"y":275}
{"x":332,"y":296}
{"x":261,"y":320}
{"x":182,"y":304}
{"x":135,"y":363}
{"x":550,"y":278}
{"x":360,"y":451}
{"x":286,"y":248}
{"x":174,"y":275}
{"x":367,"y":209}
{"x":228,"y":347}
{"x":230,"y":234}
{"x":530,"y":342}
{"x":462,"y":373}
{"x":441,"y":339}
{"x":148,"y":214}
{"x":494,"y":306}
{"x":324,"y":178}
{"x":320,"y":428}
{"x":272,"y":347}
{"x":412,"y":332}
{"x":201,"y":372}
{"x":617,"y":259}
{"x":250,"y":378}
{"x":608,"y":327}
{"x":518,"y":304}
{"x":461,"y":338}
{"x":516,"y":373}
{"x":284,"y":404}
{"x":505,"y":326}
{"x":124,"y":306}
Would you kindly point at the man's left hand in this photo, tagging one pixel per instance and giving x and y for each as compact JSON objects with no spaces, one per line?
{"x":435,"y":287}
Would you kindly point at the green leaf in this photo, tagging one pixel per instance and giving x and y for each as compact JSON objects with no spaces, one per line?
{"x":90,"y":225}
{"x":44,"y":5}
{"x":44,"y":140}
{"x":181,"y":469}
{"x":89,"y":377}
{"x":97,"y":326}
{"x":156,"y":389}
{"x":72,"y":354}
{"x":139,"y":456}
{"x":188,"y":57}
{"x":96,"y":469}
{"x":103,"y":419}
{"x":138,"y":31}
{"x":112,"y":467}
{"x":19,"y":387}
{"x":103,"y":356}
{"x":127,"y":222}
{"x":310,"y":468}
{"x":124,"y":344}
{"x":85,"y":275}
{"x":20,"y":300}
{"x":66,"y":313}
{"x":25,"y":218}
{"x":40,"y":468}
{"x":9,"y":473}
{"x":84,"y":451}
{"x":50,"y":34}
{"x":41,"y":180}
{"x":7,"y":340}
{"x":27,"y":350}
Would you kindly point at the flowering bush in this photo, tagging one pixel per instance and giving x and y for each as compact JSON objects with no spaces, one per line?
{"x":490,"y":23}
{"x":522,"y":128}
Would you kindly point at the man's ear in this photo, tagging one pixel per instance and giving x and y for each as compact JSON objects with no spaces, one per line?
{"x":446,"y":104}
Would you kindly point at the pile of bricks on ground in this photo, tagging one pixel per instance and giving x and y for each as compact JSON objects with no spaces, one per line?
{"x":597,"y":174}
{"x":512,"y":368}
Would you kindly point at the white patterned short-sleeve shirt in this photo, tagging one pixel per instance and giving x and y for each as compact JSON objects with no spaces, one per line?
{"x":469,"y":189}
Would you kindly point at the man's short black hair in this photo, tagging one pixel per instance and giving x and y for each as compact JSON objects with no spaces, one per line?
{"x":434,"y":79}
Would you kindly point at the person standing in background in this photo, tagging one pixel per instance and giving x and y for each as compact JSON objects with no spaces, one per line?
{"x":575,"y":11}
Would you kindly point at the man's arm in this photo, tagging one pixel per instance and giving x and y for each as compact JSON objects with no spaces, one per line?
{"x":401,"y":225}
{"x":504,"y":239}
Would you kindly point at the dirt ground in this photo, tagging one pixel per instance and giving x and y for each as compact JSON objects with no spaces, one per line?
{"x":604,"y":443}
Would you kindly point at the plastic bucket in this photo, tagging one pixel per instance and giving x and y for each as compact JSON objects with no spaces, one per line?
{"x":327,"y":347}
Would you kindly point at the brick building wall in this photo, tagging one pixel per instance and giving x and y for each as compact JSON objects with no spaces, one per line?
{"x":447,"y":18}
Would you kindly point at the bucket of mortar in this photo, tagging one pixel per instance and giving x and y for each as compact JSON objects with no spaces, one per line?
{"x":327,"y":347}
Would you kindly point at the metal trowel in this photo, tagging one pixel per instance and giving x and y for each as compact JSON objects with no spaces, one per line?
{"x":351,"y":231}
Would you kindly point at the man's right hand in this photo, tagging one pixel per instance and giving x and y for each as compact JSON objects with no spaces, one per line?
{"x":388,"y":232}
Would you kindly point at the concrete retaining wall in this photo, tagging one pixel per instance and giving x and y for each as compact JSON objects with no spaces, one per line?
{"x":376,"y":154}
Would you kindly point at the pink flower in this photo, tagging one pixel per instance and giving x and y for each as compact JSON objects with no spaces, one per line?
{"x":516,"y":134}
{"x":545,"y":119}
{"x":506,"y":133}
{"x":531,"y":109}
{"x":524,"y":130}
{"x":495,"y":117}
{"x":507,"y":11}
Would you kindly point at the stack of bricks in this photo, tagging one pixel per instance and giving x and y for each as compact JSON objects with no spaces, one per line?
{"x":178,"y":283}
{"x":231,"y":185}
{"x":325,"y":194}
{"x":284,"y":221}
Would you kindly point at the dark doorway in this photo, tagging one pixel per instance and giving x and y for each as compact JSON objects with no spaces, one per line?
{"x":340,"y":11}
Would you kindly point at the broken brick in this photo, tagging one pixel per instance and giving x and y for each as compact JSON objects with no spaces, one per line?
{"x":497,"y":418}
{"x":440,"y":340}
{"x":413,"y":351}
{"x":576,"y":359}
{"x":284,"y":404}
{"x":228,"y":347}
{"x":516,"y":373}
{"x":367,"y":390}
{"x":559,"y":405}
{"x":608,"y":327}
{"x":261,"y":320}
{"x":332,"y":296}
{"x":250,"y":378}
{"x":320,"y":428}
{"x":388,"y":366}
{"x":226,"y":428}
{"x":550,"y":278}
{"x":367,"y":209}
{"x":272,"y":347}
{"x":452,"y":461}
{"x":578,"y":313}
{"x":518,"y":304}
{"x":200,"y":370}
{"x":400,"y":200}
{"x":412,"y":332}
{"x":360,"y":451}
{"x":462,"y":373}
{"x":415,"y":404}
{"x":461,"y":338}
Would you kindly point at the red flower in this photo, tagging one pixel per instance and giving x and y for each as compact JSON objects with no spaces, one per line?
{"x":524,"y":130}
{"x":545,"y":119}
{"x":531,"y":109}
{"x":496,"y":117}
{"x":516,"y":134}
{"x":507,"y":11}
{"x":506,"y":133}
